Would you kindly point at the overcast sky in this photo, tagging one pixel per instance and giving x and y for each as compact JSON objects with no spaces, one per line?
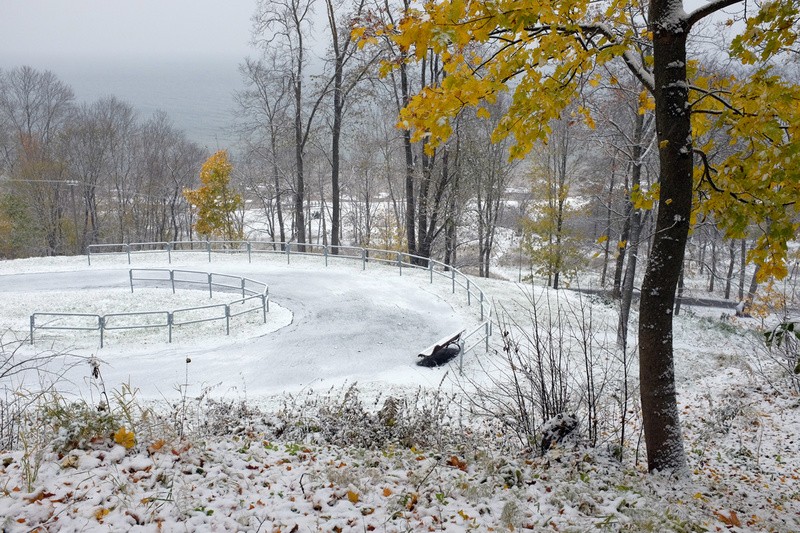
{"x":75,"y":29}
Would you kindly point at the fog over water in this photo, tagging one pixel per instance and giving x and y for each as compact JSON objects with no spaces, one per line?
{"x":179,"y":56}
{"x":196,"y":94}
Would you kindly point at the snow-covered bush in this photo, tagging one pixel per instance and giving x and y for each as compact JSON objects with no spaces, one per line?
{"x":783,"y":342}
{"x":343,"y":417}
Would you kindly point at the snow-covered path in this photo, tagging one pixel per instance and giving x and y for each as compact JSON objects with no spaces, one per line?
{"x":345,"y":325}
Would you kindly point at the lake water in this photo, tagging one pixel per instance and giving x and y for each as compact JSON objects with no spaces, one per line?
{"x":196,"y":94}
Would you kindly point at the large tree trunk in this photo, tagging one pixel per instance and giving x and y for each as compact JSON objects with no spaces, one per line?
{"x":660,"y":417}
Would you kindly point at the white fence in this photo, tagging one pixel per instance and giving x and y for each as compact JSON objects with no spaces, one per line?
{"x":255,"y":297}
{"x":364,"y":256}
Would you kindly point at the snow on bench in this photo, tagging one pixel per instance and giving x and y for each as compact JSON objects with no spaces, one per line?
{"x":442,"y":351}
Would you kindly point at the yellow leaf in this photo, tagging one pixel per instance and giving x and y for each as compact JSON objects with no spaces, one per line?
{"x":101,"y":513}
{"x":125,"y":438}
{"x":484,"y":113}
{"x":352,"y":496}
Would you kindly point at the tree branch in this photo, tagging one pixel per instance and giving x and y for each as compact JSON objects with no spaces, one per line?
{"x":706,"y":10}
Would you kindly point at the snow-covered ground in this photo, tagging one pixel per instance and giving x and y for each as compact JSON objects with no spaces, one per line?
{"x":325,"y":325}
{"x":259,"y":472}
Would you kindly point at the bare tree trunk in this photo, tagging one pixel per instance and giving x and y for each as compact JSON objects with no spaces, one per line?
{"x":713,"y":268}
{"x":411,"y":211}
{"x":616,"y":290}
{"x":731,"y":263}
{"x":607,"y":244}
{"x":742,"y":268}
{"x":660,"y":416}
{"x":635,"y":230}
{"x":299,"y":192}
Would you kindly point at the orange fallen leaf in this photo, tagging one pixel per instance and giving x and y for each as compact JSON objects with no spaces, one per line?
{"x":732,"y":520}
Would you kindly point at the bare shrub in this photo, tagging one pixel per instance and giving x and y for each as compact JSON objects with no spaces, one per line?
{"x":783,"y":351}
{"x":552,"y":363}
{"x":19,"y":372}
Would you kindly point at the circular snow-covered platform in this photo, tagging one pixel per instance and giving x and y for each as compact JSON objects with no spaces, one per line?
{"x":327,"y":326}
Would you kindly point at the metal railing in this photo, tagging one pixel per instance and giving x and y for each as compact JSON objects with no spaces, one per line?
{"x":364,"y":256}
{"x":253,"y":292}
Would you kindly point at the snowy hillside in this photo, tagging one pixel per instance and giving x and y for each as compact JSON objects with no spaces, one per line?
{"x":319,"y":420}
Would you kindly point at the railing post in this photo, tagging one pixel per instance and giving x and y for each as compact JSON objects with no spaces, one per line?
{"x":325,"y":253}
{"x":430,"y":267}
{"x":33,"y":319}
{"x":288,"y":252}
{"x":128,"y":249}
{"x":267,"y":295}
{"x":169,"y":253}
{"x":130,"y":275}
{"x":169,"y":326}
{"x":264,"y":307}
{"x":363,"y":259}
{"x":172,"y":280}
{"x":488,"y":332}
{"x":480,"y":294}
{"x":242,"y":287}
{"x":101,"y":320}
{"x":210,"y":290}
{"x":89,"y":254}
{"x":208,"y":247}
{"x":249,"y":252}
{"x":460,"y":356}
{"x":227,"y":319}
{"x":453,"y":277}
{"x":469,"y":294}
{"x":400,"y":263}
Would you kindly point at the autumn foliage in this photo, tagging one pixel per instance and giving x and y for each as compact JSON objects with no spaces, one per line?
{"x":215,"y":202}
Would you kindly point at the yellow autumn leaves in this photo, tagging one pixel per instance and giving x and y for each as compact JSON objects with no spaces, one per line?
{"x":215,"y":201}
{"x":125,"y":438}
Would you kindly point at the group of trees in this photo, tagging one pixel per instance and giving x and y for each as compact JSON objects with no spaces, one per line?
{"x":321,"y":147}
{"x":73,"y":175}
{"x":727,"y":144}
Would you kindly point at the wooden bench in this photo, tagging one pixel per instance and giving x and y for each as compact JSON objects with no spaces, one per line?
{"x":442,"y":351}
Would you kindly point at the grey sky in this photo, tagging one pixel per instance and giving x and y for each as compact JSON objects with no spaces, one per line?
{"x":75,"y":29}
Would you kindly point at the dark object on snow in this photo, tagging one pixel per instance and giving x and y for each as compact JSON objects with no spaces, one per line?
{"x":442,"y":352}
{"x":557,"y":429}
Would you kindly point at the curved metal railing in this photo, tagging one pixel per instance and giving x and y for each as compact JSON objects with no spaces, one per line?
{"x":255,"y":297}
{"x":471,"y":339}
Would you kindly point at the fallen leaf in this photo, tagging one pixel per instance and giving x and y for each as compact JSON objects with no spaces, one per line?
{"x":731,"y":521}
{"x":156,"y":446}
{"x":457,"y":463}
{"x":125,"y":438}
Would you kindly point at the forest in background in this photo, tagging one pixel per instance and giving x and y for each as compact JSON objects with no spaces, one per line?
{"x":321,"y":159}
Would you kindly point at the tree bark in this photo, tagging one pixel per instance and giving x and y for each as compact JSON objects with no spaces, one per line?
{"x":633,"y":245}
{"x":660,"y":416}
